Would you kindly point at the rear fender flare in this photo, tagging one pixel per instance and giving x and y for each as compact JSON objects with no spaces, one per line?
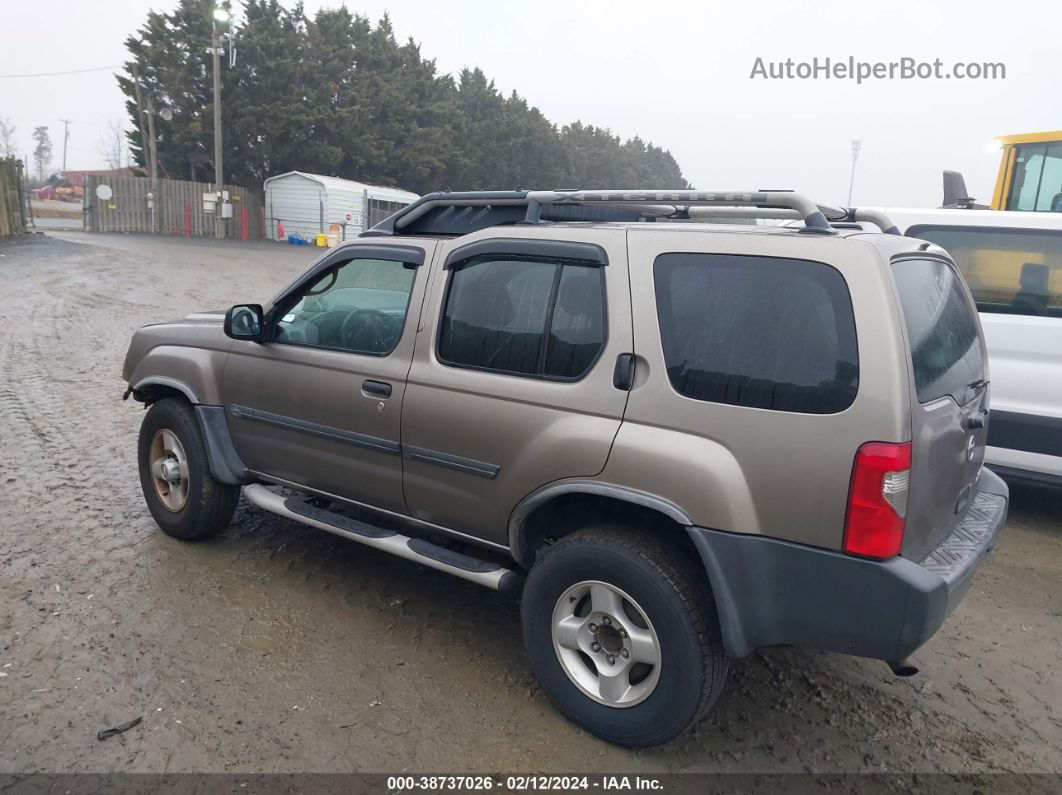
{"x":520,"y":514}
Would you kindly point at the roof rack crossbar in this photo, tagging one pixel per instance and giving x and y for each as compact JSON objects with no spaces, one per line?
{"x":647,"y":204}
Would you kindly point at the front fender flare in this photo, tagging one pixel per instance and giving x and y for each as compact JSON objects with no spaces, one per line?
{"x":170,"y":383}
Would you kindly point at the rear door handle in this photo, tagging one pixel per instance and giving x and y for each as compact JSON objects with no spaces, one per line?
{"x":623,"y":375}
{"x":376,"y":388}
{"x":976,"y":421}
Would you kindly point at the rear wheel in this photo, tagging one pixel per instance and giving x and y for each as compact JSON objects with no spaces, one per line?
{"x":622,"y":632}
{"x":183,"y":496}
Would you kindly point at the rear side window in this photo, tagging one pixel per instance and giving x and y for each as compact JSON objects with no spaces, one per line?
{"x":946,"y":351}
{"x":763,"y":332}
{"x":1010,"y":271}
{"x":536,"y":318}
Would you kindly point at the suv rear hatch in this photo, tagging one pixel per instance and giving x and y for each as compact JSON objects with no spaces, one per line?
{"x":949,"y":404}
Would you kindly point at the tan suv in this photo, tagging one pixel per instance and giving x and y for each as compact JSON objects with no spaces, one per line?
{"x":694,"y":439}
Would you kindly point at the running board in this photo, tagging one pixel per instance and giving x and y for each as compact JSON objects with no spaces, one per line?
{"x":416,"y":549}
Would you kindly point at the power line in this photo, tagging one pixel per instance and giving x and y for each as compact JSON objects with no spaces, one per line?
{"x":69,"y":72}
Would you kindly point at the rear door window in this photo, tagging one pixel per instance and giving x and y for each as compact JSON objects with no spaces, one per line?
{"x":538,"y":318}
{"x":946,"y":354}
{"x":1010,"y":271}
{"x":762,"y":332}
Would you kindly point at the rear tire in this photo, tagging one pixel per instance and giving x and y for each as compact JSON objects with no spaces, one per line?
{"x":656,"y":595}
{"x":182,"y":494}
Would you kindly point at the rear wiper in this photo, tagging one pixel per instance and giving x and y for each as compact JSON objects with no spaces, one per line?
{"x":977,"y":385}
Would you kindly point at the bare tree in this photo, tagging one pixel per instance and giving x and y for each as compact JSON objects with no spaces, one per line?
{"x":7,"y":138}
{"x":113,"y":146}
{"x":42,"y":154}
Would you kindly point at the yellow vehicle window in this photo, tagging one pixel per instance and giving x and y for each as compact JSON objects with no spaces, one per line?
{"x":1037,"y":181}
{"x":1012,"y":271}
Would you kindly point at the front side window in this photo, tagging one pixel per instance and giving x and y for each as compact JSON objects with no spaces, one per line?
{"x":946,"y":354}
{"x":762,"y":332}
{"x":528,"y":317}
{"x":357,"y":306}
{"x":1010,"y":271}
{"x":1037,"y":178}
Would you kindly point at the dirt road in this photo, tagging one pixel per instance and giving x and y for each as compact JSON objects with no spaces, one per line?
{"x":279,"y":648}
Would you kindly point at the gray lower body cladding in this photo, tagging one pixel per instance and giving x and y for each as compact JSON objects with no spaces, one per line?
{"x":771,"y":592}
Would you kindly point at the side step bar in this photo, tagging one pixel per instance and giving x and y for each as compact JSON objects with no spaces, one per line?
{"x":416,"y":549}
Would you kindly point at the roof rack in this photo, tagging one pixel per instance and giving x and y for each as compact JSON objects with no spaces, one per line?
{"x":458,"y":213}
{"x":839,"y":217}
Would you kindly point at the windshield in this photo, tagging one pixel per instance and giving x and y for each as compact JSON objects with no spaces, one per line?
{"x":1037,"y":181}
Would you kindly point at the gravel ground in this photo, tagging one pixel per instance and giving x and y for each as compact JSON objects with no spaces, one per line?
{"x":276,"y":647}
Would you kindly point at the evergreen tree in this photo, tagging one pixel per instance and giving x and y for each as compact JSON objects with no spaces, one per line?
{"x":338,"y":95}
{"x":171,"y":51}
{"x":275,"y":114}
{"x":401,"y":126}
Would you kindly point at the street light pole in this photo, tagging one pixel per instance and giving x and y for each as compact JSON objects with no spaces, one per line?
{"x":66,"y":137}
{"x":219,"y":223}
{"x":856,"y":145}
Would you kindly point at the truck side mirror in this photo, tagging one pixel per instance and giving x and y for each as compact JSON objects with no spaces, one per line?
{"x":245,"y":322}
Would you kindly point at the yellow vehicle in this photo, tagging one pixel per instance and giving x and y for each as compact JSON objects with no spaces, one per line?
{"x":1030,"y":173}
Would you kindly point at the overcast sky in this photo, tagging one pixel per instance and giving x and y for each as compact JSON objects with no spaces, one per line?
{"x":675,"y":73}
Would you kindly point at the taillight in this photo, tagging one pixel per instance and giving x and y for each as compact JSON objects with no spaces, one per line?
{"x":877,"y":500}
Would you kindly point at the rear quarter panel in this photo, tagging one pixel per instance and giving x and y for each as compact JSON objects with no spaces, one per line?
{"x":750,"y":470}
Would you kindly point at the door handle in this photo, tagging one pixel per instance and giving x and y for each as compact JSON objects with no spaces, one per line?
{"x":976,"y":421}
{"x":376,"y":388}
{"x":623,"y":375}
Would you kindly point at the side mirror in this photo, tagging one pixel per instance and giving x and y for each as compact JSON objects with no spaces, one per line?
{"x":245,"y":322}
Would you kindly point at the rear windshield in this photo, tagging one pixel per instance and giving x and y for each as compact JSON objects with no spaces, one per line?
{"x":941,"y":329}
{"x":1010,"y":271}
{"x":764,"y":332}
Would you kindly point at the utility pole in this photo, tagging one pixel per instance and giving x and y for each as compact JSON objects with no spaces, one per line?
{"x":153,"y":148}
{"x":148,"y":143}
{"x":145,"y":142}
{"x":66,"y":137}
{"x":856,"y":146}
{"x":220,"y":15}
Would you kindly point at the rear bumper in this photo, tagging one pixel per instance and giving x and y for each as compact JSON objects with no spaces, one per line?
{"x":771,"y":592}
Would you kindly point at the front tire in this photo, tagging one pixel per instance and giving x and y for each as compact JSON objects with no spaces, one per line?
{"x":622,"y":633}
{"x":182,"y":494}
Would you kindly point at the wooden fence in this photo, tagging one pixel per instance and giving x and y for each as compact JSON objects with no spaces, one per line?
{"x":178,"y":205}
{"x":12,"y":206}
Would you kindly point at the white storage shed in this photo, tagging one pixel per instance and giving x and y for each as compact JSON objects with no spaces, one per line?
{"x":309,"y":204}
